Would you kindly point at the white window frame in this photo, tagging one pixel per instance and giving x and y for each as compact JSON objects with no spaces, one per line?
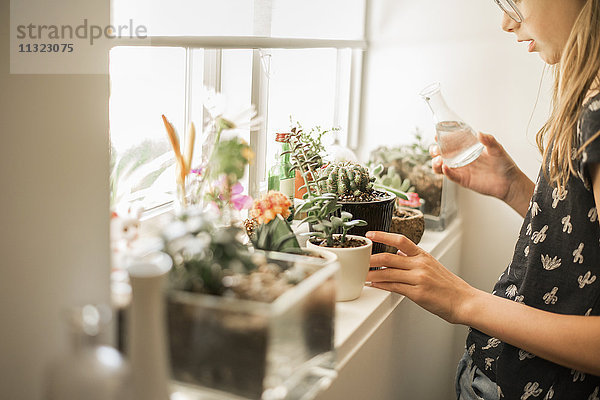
{"x":213,"y":46}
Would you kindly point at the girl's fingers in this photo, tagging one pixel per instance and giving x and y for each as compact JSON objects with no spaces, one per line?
{"x":490,"y":142}
{"x":390,"y":260}
{"x":434,"y":150}
{"x":451,"y":173}
{"x":436,"y":164}
{"x":401,"y":288}
{"x":400,"y":242}
{"x":391,"y":275}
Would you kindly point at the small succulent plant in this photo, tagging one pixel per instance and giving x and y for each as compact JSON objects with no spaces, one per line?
{"x":345,"y":178}
{"x":203,"y":254}
{"x":321,"y":213}
{"x":306,"y":162}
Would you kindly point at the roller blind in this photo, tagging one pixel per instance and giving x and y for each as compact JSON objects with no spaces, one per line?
{"x":311,"y":19}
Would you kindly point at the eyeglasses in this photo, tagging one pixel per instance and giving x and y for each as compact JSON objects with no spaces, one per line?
{"x":509,"y":7}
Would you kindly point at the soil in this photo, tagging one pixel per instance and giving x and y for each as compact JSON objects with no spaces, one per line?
{"x":349,"y":243}
{"x":251,"y":225}
{"x":265,"y":284}
{"x":374,"y":195}
{"x":403,"y":213}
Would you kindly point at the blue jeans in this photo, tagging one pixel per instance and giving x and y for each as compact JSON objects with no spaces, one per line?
{"x":472,"y":384}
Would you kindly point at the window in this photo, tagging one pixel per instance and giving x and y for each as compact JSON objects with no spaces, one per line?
{"x":288,"y":58}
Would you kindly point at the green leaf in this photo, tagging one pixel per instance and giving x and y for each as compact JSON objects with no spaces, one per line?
{"x":327,"y":224}
{"x":336,"y":222}
{"x":289,"y":241}
{"x":330,"y":207}
{"x":326,"y":196}
{"x":309,"y":219}
{"x":319,"y":227}
{"x":356,"y":222}
{"x":398,"y":193}
{"x":305,"y":206}
{"x":378,"y":169}
{"x":346,"y":216}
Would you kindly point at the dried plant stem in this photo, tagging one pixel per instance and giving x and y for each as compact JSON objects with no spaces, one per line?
{"x":182,"y":170}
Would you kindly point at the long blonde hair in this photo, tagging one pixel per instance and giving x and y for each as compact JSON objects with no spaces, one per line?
{"x":574,"y":76}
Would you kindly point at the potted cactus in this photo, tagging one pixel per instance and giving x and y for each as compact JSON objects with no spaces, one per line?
{"x":350,"y":182}
{"x":353,"y":252}
{"x":354,"y":186}
{"x":244,"y":322}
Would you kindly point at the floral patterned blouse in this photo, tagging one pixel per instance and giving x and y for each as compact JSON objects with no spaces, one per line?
{"x":556,"y":268}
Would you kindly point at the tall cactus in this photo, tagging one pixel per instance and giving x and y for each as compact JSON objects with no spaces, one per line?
{"x":346,"y":178}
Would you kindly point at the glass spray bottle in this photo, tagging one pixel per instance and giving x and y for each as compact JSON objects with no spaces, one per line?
{"x":457,"y":140}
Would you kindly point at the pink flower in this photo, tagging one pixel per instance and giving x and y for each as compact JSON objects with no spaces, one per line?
{"x":413,"y":200}
{"x":239,"y":200}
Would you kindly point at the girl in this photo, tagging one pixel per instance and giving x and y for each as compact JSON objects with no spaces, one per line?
{"x":538,"y":334}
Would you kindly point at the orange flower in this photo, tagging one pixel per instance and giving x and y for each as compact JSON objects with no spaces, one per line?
{"x":269,"y":206}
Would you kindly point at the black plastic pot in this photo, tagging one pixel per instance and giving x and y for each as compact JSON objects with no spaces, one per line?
{"x":377,"y":213}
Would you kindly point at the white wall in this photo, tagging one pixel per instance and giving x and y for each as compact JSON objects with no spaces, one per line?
{"x":487,"y":78}
{"x":54,"y":210}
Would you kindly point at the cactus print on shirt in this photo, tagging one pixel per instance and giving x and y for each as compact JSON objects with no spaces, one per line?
{"x":556,"y":268}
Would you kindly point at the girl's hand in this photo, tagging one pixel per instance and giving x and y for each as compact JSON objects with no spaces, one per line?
{"x":420,"y":277}
{"x":491,"y":174}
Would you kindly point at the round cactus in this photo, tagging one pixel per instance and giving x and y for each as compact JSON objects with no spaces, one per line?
{"x":346,"y":178}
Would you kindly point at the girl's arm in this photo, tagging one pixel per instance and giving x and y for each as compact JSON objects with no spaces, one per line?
{"x":571,"y":341}
{"x":520,"y":193}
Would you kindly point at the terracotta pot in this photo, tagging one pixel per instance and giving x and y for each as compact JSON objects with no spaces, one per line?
{"x":299,"y":182}
{"x":354,"y":265}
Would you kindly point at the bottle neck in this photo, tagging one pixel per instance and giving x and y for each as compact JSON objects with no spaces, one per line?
{"x":436,"y":102}
{"x":439,"y":108}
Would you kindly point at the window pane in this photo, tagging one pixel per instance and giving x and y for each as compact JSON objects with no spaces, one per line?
{"x":302,"y":86}
{"x":195,"y":102}
{"x":145,"y":83}
{"x":236,"y":85}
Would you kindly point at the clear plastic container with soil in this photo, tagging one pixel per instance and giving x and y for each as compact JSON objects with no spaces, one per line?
{"x":248,"y":347}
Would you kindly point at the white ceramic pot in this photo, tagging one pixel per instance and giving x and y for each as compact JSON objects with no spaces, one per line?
{"x":354,"y":266}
